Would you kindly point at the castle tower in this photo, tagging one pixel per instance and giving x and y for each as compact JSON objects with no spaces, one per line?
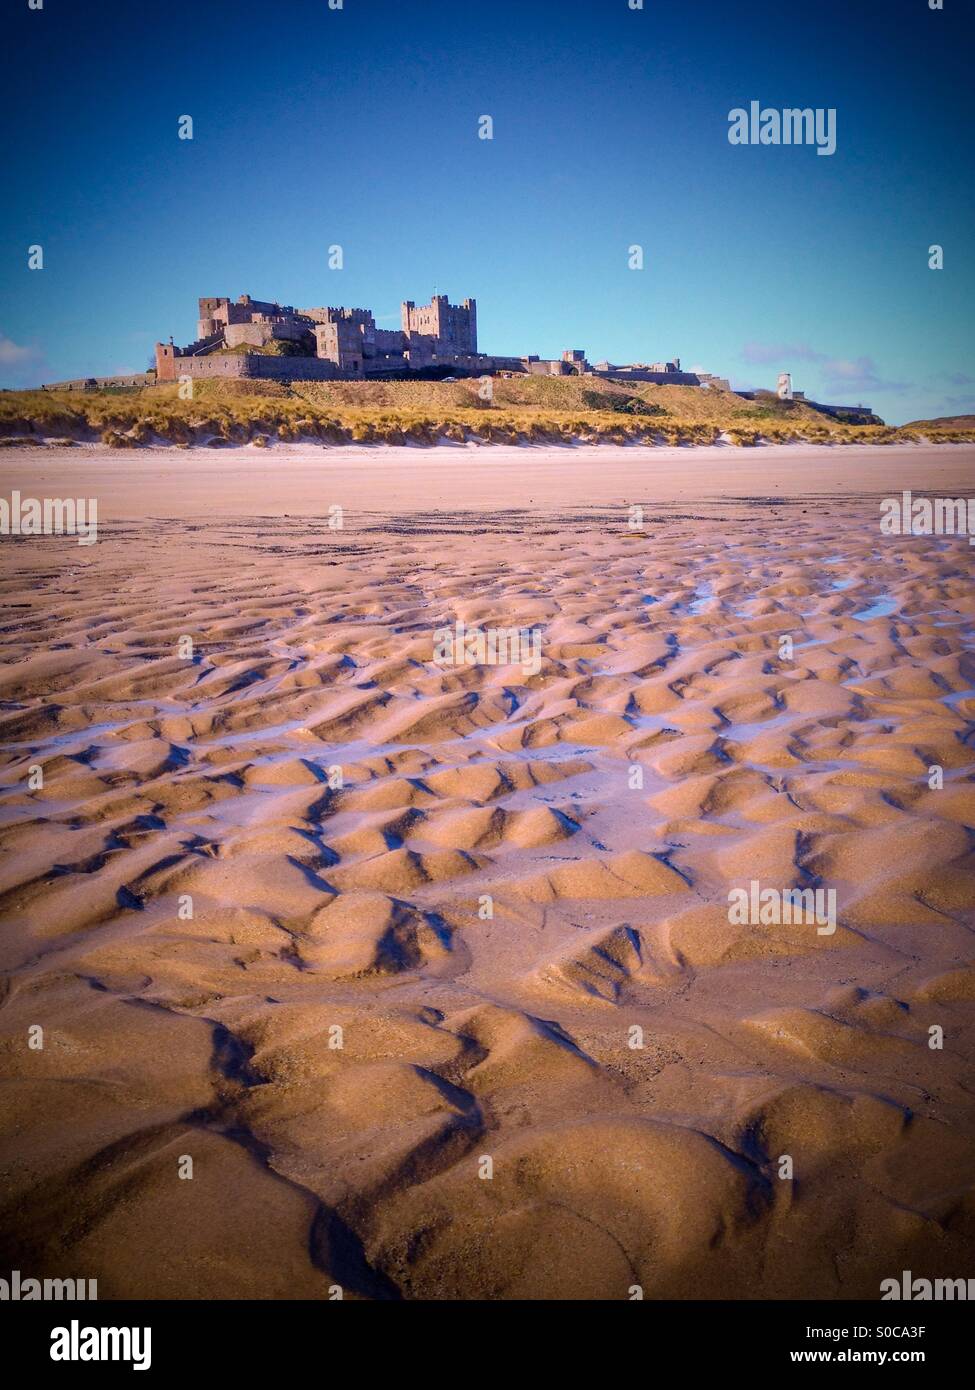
{"x":213,"y":316}
{"x":451,"y":329}
{"x":165,"y":362}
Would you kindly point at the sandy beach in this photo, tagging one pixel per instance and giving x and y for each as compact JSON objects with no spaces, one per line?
{"x":428,"y":967}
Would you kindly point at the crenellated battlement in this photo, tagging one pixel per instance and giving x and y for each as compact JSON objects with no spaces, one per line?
{"x":434,"y":334}
{"x":337,"y":341}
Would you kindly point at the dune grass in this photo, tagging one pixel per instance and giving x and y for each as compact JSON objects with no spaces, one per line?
{"x":521,"y":410}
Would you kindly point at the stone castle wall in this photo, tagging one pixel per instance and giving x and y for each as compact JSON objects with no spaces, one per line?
{"x":94,"y":383}
{"x":434,"y":334}
{"x":262,"y":331}
{"x":244,"y":365}
{"x":656,"y":378}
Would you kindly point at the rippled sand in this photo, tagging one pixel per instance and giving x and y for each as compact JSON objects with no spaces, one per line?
{"x":517,"y":874}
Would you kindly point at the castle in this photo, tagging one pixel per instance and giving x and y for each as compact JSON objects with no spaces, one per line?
{"x":255,"y":338}
{"x":248,"y":338}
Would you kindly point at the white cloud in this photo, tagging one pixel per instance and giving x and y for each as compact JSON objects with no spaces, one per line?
{"x":12,"y":353}
{"x":858,"y":374}
{"x":19,"y":364}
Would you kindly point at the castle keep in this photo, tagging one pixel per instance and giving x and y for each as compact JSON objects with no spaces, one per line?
{"x":253,"y":337}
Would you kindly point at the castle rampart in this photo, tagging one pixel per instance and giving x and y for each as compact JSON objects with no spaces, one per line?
{"x":242,"y":365}
{"x":337,"y":341}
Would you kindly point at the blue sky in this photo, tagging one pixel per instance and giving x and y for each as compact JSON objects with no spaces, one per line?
{"x":359,"y":127}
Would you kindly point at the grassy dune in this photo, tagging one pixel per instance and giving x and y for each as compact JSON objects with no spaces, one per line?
{"x":944,"y":422}
{"x":526,"y":409}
